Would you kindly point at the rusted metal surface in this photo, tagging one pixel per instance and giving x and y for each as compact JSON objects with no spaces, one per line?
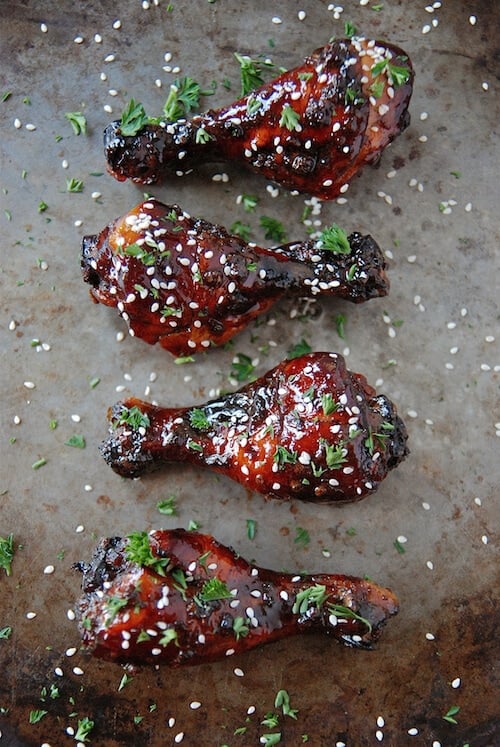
{"x":439,"y":364}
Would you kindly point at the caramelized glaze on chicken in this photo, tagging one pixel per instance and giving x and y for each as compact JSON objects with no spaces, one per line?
{"x":189,"y":284}
{"x":310,"y":130}
{"x":181,"y":598}
{"x":308,"y":429}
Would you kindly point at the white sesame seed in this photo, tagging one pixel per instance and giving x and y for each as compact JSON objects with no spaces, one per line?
{"x":79,"y":529}
{"x":58,"y":671}
{"x":97,"y":38}
{"x":43,"y":28}
{"x":70,"y":615}
{"x":30,"y":127}
{"x":16,"y":419}
{"x":239,"y":672}
{"x":402,"y":539}
{"x":78,"y":39}
{"x":109,"y":58}
{"x":485,"y":85}
{"x":456,"y":683}
{"x":29,"y":384}
{"x":48,"y":570}
{"x":426,"y":506}
{"x":78,"y":671}
{"x":195,"y":704}
{"x":301,"y":15}
{"x":30,"y":615}
{"x":17,"y":123}
{"x":380,"y":721}
{"x":430,"y":565}
{"x":484,"y":539}
{"x":430,"y":636}
{"x":472,"y":20}
{"x":276,"y":20}
{"x":426,"y":28}
{"x":71,"y":651}
{"x":379,"y":734}
{"x":413,"y":732}
{"x":117,"y":24}
{"x":179,"y":737}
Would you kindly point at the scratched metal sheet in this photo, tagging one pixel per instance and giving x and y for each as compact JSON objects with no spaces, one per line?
{"x":430,"y":346}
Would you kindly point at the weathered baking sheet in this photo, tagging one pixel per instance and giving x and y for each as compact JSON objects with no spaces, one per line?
{"x":432,"y":346}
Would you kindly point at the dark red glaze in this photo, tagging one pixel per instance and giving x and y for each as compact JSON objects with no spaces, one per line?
{"x":348,"y":112}
{"x":308,"y":429}
{"x":197,"y":286}
{"x":132,"y":615}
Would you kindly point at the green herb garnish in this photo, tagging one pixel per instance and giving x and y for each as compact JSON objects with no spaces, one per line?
{"x":5,"y":633}
{"x":78,"y":122}
{"x":77,"y":441}
{"x":249,"y":202}
{"x":133,"y":119}
{"x":167,"y":506}
{"x":302,"y":536}
{"x":138,"y":550}
{"x":36,"y":716}
{"x":284,"y":456}
{"x":214,"y":589}
{"x":349,"y":29}
{"x":328,"y":404}
{"x":335,"y":456}
{"x":169,"y":636}
{"x":85,"y":726}
{"x":198,"y":419}
{"x":184,"y":96}
{"x":7,"y":553}
{"x":251,"y":72}
{"x":134,"y":417}
{"x":449,"y":715}
{"x":251,"y":528}
{"x":289,"y":118}
{"x":240,"y":627}
{"x":299,"y":349}
{"x":334,"y":239}
{"x":242,"y":367}
{"x":74,"y":185}
{"x":243,"y":230}
{"x":398,"y":74}
{"x":274,"y":229}
{"x":282,"y":701}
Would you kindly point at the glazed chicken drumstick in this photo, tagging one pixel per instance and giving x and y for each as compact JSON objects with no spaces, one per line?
{"x":188,"y":284}
{"x":308,"y":429}
{"x":181,"y":598}
{"x":310,"y":130}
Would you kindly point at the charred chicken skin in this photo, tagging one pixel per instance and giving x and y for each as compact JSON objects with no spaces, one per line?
{"x":188,"y":284}
{"x":310,"y":130}
{"x":181,"y":598}
{"x":308,"y":429}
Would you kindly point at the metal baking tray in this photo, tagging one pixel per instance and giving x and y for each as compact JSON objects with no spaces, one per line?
{"x":431,"y":345}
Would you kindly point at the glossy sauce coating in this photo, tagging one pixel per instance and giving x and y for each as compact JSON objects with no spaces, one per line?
{"x":347,"y":107}
{"x":307,"y":429}
{"x":129,"y":613}
{"x":188,"y":284}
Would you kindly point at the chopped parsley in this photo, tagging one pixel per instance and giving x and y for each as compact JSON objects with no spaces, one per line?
{"x":140,"y":253}
{"x":284,"y":456}
{"x":139,"y":551}
{"x":202,"y":136}
{"x":349,"y":29}
{"x":312,"y":596}
{"x":242,"y":367}
{"x":77,"y":441}
{"x":251,"y":72}
{"x":254,"y":104}
{"x":302,"y":536}
{"x":334,"y":239}
{"x":198,"y":419}
{"x":74,"y":185}
{"x":184,"y":96}
{"x":169,"y":636}
{"x":243,"y":230}
{"x":36,"y":716}
{"x":399,"y":547}
{"x":7,"y":553}
{"x":167,"y":506}
{"x":134,"y":417}
{"x":133,"y":119}
{"x":397,"y":73}
{"x":214,"y":589}
{"x":335,"y":456}
{"x":339,"y":325}
{"x":113,"y":606}
{"x":5,"y":633}
{"x":249,"y":202}
{"x":282,"y":701}
{"x":299,"y":349}
{"x":273,"y":228}
{"x":85,"y":726}
{"x":251,"y":528}
{"x":449,"y":716}
{"x":328,"y":404}
{"x":289,"y":118}
{"x":78,"y":122}
{"x":240,"y":627}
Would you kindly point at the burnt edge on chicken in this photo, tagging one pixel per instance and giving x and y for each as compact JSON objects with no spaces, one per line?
{"x":182,"y":598}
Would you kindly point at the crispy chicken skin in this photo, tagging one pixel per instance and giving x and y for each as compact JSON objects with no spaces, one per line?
{"x":349,"y":100}
{"x":181,"y":598}
{"x":307,"y":429}
{"x":188,"y":284}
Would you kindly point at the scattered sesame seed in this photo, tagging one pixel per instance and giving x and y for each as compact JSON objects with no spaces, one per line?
{"x":75,"y":418}
{"x":276,"y":20}
{"x":426,"y":506}
{"x":413,"y":732}
{"x":78,"y":39}
{"x":402,"y":539}
{"x":239,"y":672}
{"x":30,"y":615}
{"x":472,"y":20}
{"x":17,"y":123}
{"x":117,"y":24}
{"x":79,"y":529}
{"x":430,"y":565}
{"x":301,"y":15}
{"x":48,"y":570}
{"x":59,"y":672}
{"x":43,"y":28}
{"x":484,"y":539}
{"x":195,"y":704}
{"x":109,"y":58}
{"x":380,"y":721}
{"x":379,"y":735}
{"x":71,"y":651}
{"x":29,"y":384}
{"x":97,"y":38}
{"x":456,"y":683}
{"x":70,"y":614}
{"x":430,"y":636}
{"x":179,"y":737}
{"x":30,"y":127}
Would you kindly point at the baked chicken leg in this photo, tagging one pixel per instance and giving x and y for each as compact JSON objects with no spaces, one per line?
{"x":310,"y":130}
{"x":308,"y":429}
{"x":179,"y":597}
{"x":188,"y":284}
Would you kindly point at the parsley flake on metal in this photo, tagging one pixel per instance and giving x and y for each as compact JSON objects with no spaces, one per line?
{"x":134,"y":417}
{"x":139,"y":551}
